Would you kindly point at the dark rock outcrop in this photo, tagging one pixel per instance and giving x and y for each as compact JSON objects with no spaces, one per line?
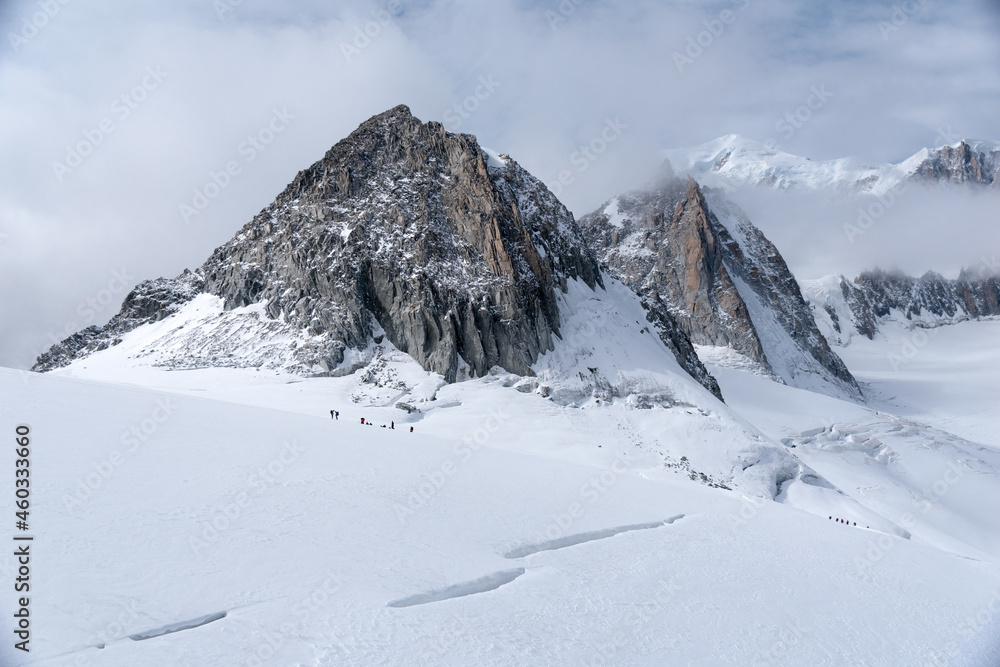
{"x":674,"y":337}
{"x":453,"y":252}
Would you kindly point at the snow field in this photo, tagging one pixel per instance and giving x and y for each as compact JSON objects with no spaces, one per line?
{"x":607,"y":511}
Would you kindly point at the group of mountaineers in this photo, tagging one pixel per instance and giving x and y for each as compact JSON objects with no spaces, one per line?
{"x":334,"y":414}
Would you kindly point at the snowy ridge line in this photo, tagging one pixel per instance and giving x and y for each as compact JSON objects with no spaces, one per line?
{"x":582,"y":538}
{"x":733,"y":161}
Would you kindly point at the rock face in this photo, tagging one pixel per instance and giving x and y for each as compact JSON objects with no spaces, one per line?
{"x":451,"y":252}
{"x":862,"y":305}
{"x":676,"y":338}
{"x":694,"y":258}
{"x":975,"y":164}
{"x":454,"y":252}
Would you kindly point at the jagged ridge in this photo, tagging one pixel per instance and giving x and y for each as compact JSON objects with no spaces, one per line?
{"x":149,"y":301}
{"x":723,"y":282}
{"x":875,"y":296}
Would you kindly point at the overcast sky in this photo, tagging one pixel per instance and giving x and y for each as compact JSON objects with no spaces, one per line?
{"x":113,"y":114}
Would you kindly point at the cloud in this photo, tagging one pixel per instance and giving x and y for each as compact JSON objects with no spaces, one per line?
{"x":918,"y":230}
{"x":559,"y":82}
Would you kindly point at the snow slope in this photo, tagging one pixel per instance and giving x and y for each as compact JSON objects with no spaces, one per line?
{"x":328,"y":542}
{"x":606,"y":511}
{"x":608,"y":354}
{"x":945,"y":377}
{"x":938,"y":368}
{"x":733,"y":160}
{"x":933,"y":414}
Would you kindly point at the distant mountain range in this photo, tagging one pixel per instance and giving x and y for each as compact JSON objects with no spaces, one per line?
{"x":845,"y":308}
{"x":735,"y":161}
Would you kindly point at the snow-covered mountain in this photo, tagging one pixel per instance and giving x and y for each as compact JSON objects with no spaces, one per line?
{"x":404,"y":417}
{"x":452,"y":253}
{"x":845,"y":308}
{"x":693,"y":255}
{"x":735,"y":161}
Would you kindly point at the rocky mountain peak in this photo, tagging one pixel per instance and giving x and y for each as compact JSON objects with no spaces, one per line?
{"x":976,"y":163}
{"x":402,"y":229}
{"x":693,"y":255}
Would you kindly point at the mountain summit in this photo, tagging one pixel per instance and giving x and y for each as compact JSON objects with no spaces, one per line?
{"x":694,"y":257}
{"x":450,"y":251}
